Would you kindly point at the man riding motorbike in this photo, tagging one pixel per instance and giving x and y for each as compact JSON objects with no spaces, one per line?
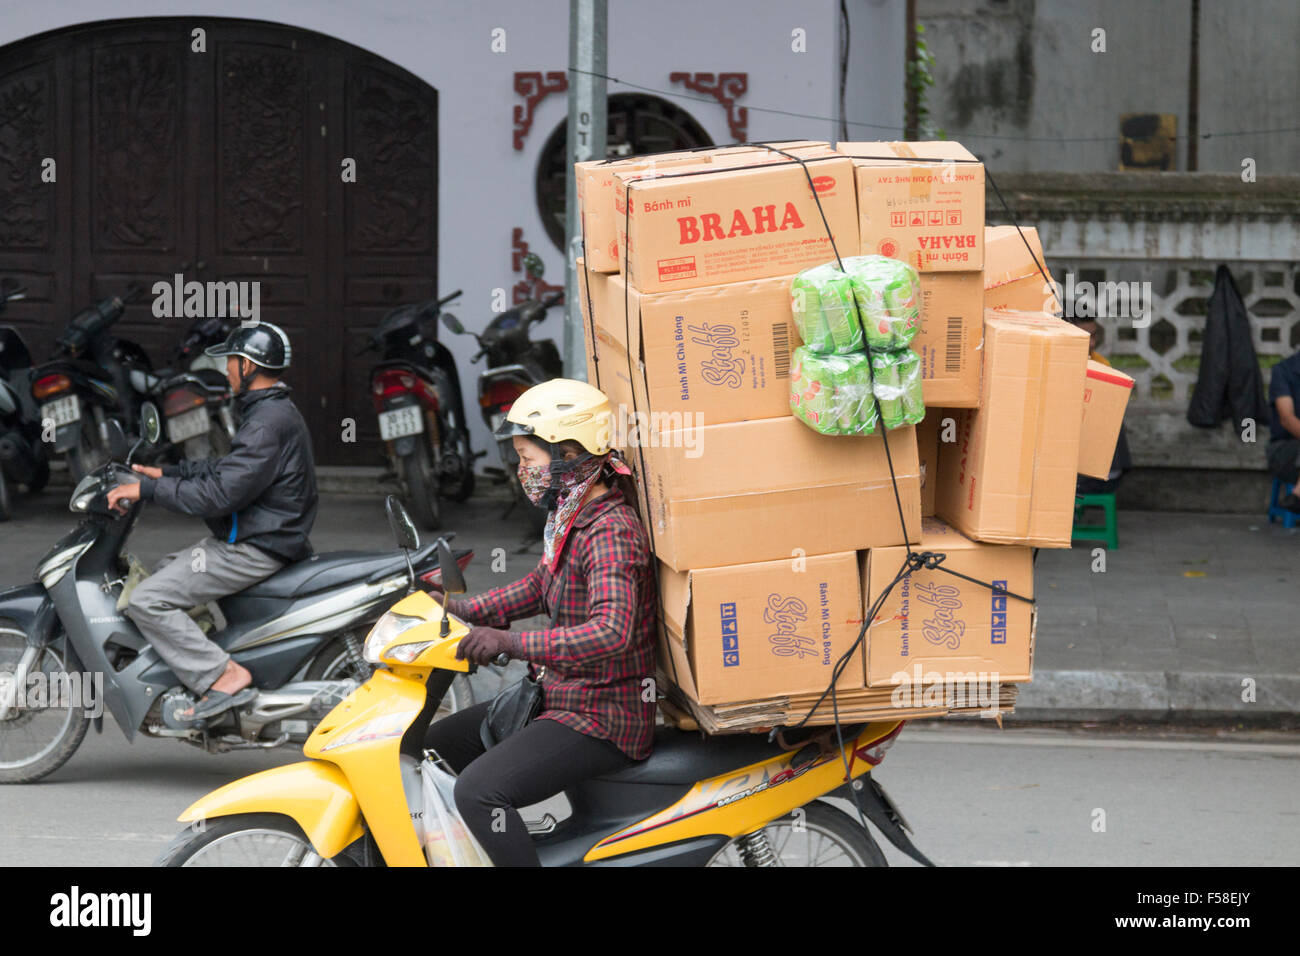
{"x":259,"y":502}
{"x":595,"y":661}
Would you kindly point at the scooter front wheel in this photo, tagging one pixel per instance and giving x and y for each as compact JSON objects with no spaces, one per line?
{"x":48,"y":720}
{"x":246,"y":839}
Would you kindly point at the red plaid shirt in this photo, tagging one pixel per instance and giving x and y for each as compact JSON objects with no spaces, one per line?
{"x":600,"y":654}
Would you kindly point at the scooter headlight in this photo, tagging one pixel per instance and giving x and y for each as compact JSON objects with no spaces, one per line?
{"x":386,"y":630}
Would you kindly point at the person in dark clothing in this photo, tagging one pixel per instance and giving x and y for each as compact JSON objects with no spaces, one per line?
{"x":259,"y":501}
{"x":1283,"y":452}
{"x":596,"y":660}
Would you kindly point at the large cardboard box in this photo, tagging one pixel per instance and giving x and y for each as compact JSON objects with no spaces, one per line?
{"x":1012,"y":278}
{"x":725,"y":220}
{"x":1105,"y":397}
{"x":920,"y":202}
{"x":720,"y":353}
{"x":935,"y":622}
{"x":764,"y":629}
{"x":1010,"y":476}
{"x":772,"y":489}
{"x":951,"y":338}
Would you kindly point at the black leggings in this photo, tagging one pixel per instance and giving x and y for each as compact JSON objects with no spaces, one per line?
{"x":533,"y":764}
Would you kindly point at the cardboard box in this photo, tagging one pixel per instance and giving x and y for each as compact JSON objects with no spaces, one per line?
{"x":920,"y":202}
{"x":1010,"y":476}
{"x":595,"y":191}
{"x":1012,"y":279}
{"x":764,"y":629}
{"x":770,"y":489}
{"x":951,"y":338}
{"x":927,"y":450}
{"x":935,"y":622}
{"x":593,"y":295}
{"x":721,"y":353}
{"x":1105,"y":397}
{"x":731,"y":221}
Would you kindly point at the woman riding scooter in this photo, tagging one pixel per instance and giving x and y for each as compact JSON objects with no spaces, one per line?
{"x":596,"y":582}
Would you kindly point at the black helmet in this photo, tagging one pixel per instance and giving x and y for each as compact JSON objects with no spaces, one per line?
{"x":262,"y":344}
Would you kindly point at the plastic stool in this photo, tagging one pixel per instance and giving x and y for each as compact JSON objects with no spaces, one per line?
{"x":1281,"y":489}
{"x":1107,"y":532}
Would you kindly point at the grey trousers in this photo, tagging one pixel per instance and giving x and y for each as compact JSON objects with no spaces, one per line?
{"x":209,"y":570}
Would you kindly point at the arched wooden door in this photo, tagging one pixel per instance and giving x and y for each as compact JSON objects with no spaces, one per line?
{"x":221,"y":165}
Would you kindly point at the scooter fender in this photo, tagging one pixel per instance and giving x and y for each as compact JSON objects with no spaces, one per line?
{"x":32,"y":610}
{"x":315,"y":794}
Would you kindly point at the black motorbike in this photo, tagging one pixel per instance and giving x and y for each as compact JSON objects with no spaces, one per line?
{"x":417,"y":396}
{"x":22,"y":454}
{"x":87,"y":383}
{"x":515,"y":363}
{"x":299,"y":632}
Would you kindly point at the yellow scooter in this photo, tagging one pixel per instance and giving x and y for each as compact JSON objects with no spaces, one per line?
{"x":730,"y":800}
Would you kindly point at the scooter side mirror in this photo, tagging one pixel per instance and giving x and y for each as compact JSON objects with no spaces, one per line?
{"x":453,"y":580}
{"x":453,"y":323}
{"x":115,"y":439}
{"x":402,"y":526}
{"x":150,"y":423}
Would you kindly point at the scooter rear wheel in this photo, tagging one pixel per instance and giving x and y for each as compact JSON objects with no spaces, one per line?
{"x":421,"y":486}
{"x":35,"y":741}
{"x":5,"y":513}
{"x":245,"y":839}
{"x":817,"y":834}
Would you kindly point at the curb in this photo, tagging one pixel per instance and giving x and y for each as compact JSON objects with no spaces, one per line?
{"x":1110,"y":695}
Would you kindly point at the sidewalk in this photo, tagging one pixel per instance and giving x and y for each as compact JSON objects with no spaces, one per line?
{"x":1188,"y":608}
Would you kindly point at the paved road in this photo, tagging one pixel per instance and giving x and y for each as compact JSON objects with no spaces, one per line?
{"x":976,"y":796}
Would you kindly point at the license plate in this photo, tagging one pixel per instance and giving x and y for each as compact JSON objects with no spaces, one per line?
{"x":401,"y":422}
{"x":62,"y":411}
{"x":188,"y":425}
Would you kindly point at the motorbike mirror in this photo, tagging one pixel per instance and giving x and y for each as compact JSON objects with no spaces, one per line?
{"x":150,"y":423}
{"x":114,"y":439}
{"x":533,"y":265}
{"x":452,"y":323}
{"x":453,"y":580}
{"x":401,"y":524}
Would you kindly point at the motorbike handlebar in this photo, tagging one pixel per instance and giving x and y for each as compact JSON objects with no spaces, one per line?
{"x":455,"y":295}
{"x":502,"y":659}
{"x":552,"y":299}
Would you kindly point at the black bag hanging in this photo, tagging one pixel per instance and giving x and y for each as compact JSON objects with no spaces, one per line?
{"x":515,"y":707}
{"x":1230,"y":384}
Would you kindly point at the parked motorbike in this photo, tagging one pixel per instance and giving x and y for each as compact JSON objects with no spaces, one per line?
{"x":22,"y":454}
{"x":417,"y":395}
{"x":515,"y":363}
{"x":305,"y":619}
{"x":696,"y":801}
{"x":87,"y":383}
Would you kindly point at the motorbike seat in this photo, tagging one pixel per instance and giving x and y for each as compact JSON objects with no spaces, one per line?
{"x":684,"y":757}
{"x":332,"y":569}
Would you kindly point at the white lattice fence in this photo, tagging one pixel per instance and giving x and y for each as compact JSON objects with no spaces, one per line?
{"x":1163,"y":356}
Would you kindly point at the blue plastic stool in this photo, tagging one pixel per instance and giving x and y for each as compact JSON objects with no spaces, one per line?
{"x":1275,"y":511}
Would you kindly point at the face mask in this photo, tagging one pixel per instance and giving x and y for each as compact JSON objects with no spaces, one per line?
{"x":536,"y":480}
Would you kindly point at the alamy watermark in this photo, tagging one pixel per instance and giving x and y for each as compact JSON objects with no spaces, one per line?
{"x":234,"y":299}
{"x":637,"y":429}
{"x":39,"y":691}
{"x":952,"y":689}
{"x":1100,"y":300}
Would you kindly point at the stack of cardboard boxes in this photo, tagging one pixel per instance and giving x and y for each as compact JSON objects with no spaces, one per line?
{"x":773,"y":540}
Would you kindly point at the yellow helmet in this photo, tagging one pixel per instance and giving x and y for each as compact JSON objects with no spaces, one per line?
{"x":562,"y":410}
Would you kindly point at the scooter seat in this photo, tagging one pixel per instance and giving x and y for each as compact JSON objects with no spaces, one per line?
{"x":684,"y":757}
{"x":332,"y":569}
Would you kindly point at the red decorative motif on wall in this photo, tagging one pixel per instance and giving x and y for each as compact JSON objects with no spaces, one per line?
{"x":534,"y":87}
{"x":726,"y":88}
{"x":523,"y":289}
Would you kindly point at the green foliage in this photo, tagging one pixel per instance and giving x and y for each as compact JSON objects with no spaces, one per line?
{"x":921,"y":78}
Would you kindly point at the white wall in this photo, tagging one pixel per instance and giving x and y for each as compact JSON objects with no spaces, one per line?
{"x":486,"y":186}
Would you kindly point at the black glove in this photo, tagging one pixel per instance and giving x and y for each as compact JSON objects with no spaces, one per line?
{"x":482,"y":645}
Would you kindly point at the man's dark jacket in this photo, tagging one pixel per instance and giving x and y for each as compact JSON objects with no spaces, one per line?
{"x":264,"y":492}
{"x":1230,"y":384}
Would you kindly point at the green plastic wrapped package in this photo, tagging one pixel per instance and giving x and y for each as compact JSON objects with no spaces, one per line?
{"x":889,"y":299}
{"x":896,"y":376}
{"x":832,"y":393}
{"x":824,"y":311}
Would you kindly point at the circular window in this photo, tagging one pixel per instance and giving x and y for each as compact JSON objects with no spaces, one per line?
{"x":637,"y":124}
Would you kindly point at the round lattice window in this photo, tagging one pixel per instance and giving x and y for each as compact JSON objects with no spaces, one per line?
{"x":637,"y":124}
